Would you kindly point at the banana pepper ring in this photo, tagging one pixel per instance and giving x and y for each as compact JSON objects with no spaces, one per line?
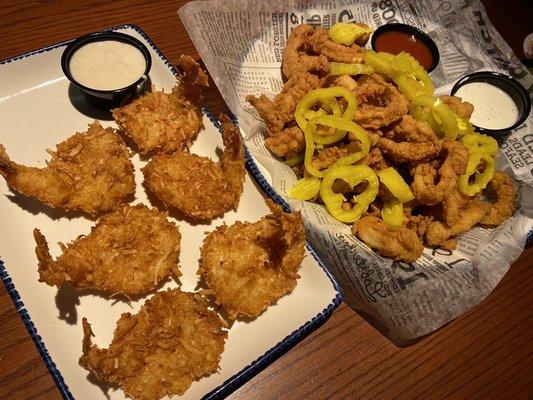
{"x":325,"y":96}
{"x":305,"y":189}
{"x":445,"y":118}
{"x":352,"y":175}
{"x":396,"y":185}
{"x":478,"y":143}
{"x":482,"y":179}
{"x":342,"y":126}
{"x":346,"y":33}
{"x":392,"y":212}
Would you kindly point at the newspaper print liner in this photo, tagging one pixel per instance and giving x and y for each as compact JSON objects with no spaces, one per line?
{"x":250,"y":370}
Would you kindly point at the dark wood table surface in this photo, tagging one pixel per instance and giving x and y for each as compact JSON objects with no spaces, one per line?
{"x":487,"y":353}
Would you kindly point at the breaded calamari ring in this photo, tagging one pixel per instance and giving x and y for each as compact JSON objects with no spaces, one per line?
{"x":430,"y":185}
{"x":172,"y":341}
{"x":462,"y":108}
{"x":379,"y":103}
{"x":166,"y":122}
{"x":441,"y":234}
{"x":295,"y":55}
{"x":322,"y":44}
{"x":197,"y":186}
{"x":90,"y":172}
{"x":398,"y":243}
{"x":128,"y":251}
{"x":410,"y":141}
{"x":504,"y":206}
{"x":249,"y":266}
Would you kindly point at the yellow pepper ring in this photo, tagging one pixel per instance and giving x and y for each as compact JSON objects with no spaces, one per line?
{"x":343,"y":126}
{"x":305,"y":188}
{"x":352,"y":175}
{"x":347,"y":33}
{"x":323,"y":95}
{"x":396,"y":185}
{"x":392,"y":212}
{"x":482,"y":179}
{"x":447,"y":120}
{"x":478,"y":143}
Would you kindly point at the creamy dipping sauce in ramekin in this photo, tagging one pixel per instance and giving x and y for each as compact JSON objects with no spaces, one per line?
{"x":493,"y":107}
{"x":107,"y":65}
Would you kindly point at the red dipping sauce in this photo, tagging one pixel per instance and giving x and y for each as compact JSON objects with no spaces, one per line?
{"x":395,"y":42}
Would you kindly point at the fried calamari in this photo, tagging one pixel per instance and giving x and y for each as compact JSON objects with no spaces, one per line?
{"x":172,"y":341}
{"x":296,"y":57}
{"x":166,"y":122}
{"x":379,"y":103}
{"x":397,"y":243}
{"x":90,"y":172}
{"x":248,"y":266}
{"x":128,"y":251}
{"x":504,"y":189}
{"x":462,"y":108}
{"x":432,"y":182}
{"x":322,"y":44}
{"x":197,"y":186}
{"x":410,"y":141}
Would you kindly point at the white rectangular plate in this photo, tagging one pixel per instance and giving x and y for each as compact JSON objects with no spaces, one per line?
{"x":37,"y":112}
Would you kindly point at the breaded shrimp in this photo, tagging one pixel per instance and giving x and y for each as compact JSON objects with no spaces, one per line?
{"x":90,"y":172}
{"x":129,"y":251}
{"x":197,"y":186}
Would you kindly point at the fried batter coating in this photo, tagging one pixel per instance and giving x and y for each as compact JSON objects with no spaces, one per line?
{"x":166,"y":122}
{"x":286,"y":143}
{"x":410,"y":141}
{"x":322,"y":44}
{"x":424,"y":185}
{"x":439,"y":233}
{"x":462,"y":108}
{"x":197,"y":186}
{"x":90,"y":172}
{"x":129,"y":251}
{"x":379,"y":103}
{"x":172,"y":341}
{"x":400,"y":244}
{"x":504,"y":206}
{"x":278,"y":112}
{"x":251,"y":265}
{"x":295,"y":55}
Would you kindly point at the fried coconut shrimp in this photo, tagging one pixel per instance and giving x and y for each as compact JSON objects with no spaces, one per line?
{"x":296,"y":58}
{"x":172,"y":341}
{"x":248,"y":266}
{"x":166,"y":122}
{"x":90,"y":172}
{"x":410,"y":141}
{"x":397,"y":243}
{"x":462,"y":108}
{"x":504,"y":206}
{"x":379,"y":103}
{"x":128,"y":251}
{"x":197,"y":186}
{"x":322,"y":44}
{"x":432,"y":183}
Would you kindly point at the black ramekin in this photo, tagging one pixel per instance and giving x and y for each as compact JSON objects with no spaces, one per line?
{"x":107,"y":99}
{"x":424,"y":37}
{"x":509,"y":85}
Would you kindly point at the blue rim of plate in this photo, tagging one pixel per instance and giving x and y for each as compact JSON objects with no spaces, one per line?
{"x":257,"y":365}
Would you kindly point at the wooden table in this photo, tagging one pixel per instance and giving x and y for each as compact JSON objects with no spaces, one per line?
{"x":487,"y":353}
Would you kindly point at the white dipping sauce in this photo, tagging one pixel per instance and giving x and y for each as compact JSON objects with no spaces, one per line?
{"x":493,"y":107}
{"x":107,"y":65}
